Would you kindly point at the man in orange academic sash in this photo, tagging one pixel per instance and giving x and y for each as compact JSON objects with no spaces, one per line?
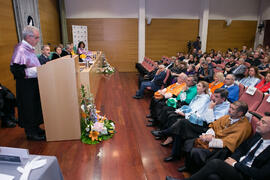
{"x":160,"y":97}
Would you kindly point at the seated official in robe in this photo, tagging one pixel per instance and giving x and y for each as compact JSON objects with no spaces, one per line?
{"x":222,"y":138}
{"x":251,"y":160}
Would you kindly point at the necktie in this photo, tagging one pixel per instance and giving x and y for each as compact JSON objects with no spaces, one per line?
{"x":250,"y":156}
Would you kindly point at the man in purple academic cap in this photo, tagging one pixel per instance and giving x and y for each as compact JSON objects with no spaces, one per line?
{"x":23,"y":66}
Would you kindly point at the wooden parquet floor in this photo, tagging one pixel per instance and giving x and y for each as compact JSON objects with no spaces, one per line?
{"x":132,"y":153}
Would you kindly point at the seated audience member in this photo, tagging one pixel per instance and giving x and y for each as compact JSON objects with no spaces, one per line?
{"x":218,"y":59}
{"x":191,"y":70}
{"x":186,"y":59}
{"x":217,"y":83}
{"x":172,"y":90}
{"x":61,"y":46}
{"x":45,"y":54}
{"x":264,"y":85}
{"x":149,"y":76}
{"x":252,"y":79}
{"x":264,"y":67}
{"x":72,"y":49}
{"x":249,"y":161}
{"x":185,"y":129}
{"x":237,"y":56}
{"x":255,"y":61}
{"x":172,"y":62}
{"x":191,"y":59}
{"x":232,"y":88}
{"x":160,"y":96}
{"x":180,"y":56}
{"x":67,"y":51}
{"x":205,"y":73}
{"x":177,"y":69}
{"x":184,"y":98}
{"x":239,"y":69}
{"x":244,"y":49}
{"x":221,"y":139}
{"x":209,"y":62}
{"x":81,"y":48}
{"x":194,"y":52}
{"x":199,"y":55}
{"x":230,"y":65}
{"x":199,"y":65}
{"x":196,"y":107}
{"x":155,"y":84}
{"x":188,"y":93}
{"x":7,"y":108}
{"x":57,"y":53}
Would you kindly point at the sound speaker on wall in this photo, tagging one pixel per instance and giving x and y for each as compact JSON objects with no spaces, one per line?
{"x":148,"y":20}
{"x":228,"y":22}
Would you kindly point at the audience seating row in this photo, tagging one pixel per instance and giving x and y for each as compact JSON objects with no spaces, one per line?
{"x":148,"y":64}
{"x":257,"y":103}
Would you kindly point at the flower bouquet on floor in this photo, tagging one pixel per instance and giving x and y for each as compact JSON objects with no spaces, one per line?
{"x":94,"y":127}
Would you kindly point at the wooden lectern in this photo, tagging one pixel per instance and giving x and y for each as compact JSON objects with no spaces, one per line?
{"x":59,"y":92}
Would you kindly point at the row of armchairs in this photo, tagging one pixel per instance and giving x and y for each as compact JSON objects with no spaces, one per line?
{"x":258,"y":103}
{"x":148,"y":64}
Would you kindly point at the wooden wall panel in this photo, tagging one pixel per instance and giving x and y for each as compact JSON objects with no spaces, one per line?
{"x":166,"y":37}
{"x":118,"y":38}
{"x":222,"y":37}
{"x":8,"y":39}
{"x":50,"y":21}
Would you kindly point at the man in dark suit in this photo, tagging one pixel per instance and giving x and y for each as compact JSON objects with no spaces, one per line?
{"x":44,"y":57}
{"x":255,"y":61}
{"x":155,"y":84}
{"x":251,"y":160}
{"x":67,"y":51}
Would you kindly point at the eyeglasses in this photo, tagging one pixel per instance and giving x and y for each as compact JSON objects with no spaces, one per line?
{"x":35,"y":37}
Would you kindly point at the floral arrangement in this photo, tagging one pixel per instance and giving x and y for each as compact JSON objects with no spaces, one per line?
{"x":94,"y":127}
{"x":106,"y":67}
{"x":83,"y":56}
{"x":87,"y":56}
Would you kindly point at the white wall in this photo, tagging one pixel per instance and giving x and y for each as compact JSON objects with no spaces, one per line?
{"x":265,"y":10}
{"x":175,"y":9}
{"x":234,"y":9}
{"x":101,"y":8}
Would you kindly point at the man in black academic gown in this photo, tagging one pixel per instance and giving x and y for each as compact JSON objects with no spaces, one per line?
{"x":23,"y":66}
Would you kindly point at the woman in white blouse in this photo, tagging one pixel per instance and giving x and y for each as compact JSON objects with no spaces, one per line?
{"x":252,"y":79}
{"x":196,"y":108}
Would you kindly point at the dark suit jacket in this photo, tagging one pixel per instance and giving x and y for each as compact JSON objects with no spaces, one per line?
{"x":209,"y":77}
{"x":158,"y":79}
{"x":254,"y":62}
{"x":260,"y":168}
{"x":42,"y":59}
{"x":64,"y":53}
{"x":55,"y":56}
